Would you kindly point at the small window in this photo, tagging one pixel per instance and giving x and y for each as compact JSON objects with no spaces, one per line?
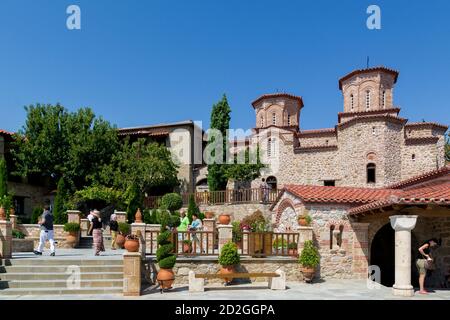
{"x":331,"y":236}
{"x":274,"y":119}
{"x":371,"y":173}
{"x":341,"y":233}
{"x":262,"y":122}
{"x":383,"y":100}
{"x":352,"y":101}
{"x":326,"y":142}
{"x":373,"y":130}
{"x":329,"y":183}
{"x":288,"y":119}
{"x":413,"y":157}
{"x":269,"y":147}
{"x":367,"y":99}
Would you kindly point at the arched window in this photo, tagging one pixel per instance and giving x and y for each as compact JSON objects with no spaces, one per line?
{"x":352,"y":101}
{"x":272,"y":182}
{"x":331,"y":236}
{"x":341,"y":234}
{"x":274,"y":118}
{"x":383,"y":101}
{"x":371,"y":173}
{"x":368,"y":99}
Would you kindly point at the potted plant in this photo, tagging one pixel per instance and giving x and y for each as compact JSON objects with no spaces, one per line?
{"x":280,"y":244}
{"x":228,"y":259}
{"x":237,"y":234}
{"x":224,"y":218}
{"x":187,"y":246}
{"x":132,"y":243}
{"x":209,"y":215}
{"x":124,"y":230}
{"x":166,"y":260}
{"x":304,"y":219}
{"x":309,"y":259}
{"x":293,"y":249}
{"x":72,"y":228}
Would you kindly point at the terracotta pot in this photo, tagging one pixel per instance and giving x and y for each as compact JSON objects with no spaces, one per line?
{"x":308,"y":273}
{"x":209,"y":215}
{"x":2,"y":213}
{"x":165,"y":278}
{"x":120,"y":240}
{"x":227,"y":270}
{"x":224,"y":219}
{"x":71,"y":238}
{"x":138,"y":216}
{"x":293,"y":252}
{"x":187,"y":248}
{"x":302,"y":222}
{"x":132,"y":245}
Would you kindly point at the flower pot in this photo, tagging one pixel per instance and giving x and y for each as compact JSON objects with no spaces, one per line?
{"x":293,"y":252}
{"x":187,"y":248}
{"x":209,"y":215}
{"x":132,"y":245}
{"x":302,"y":222}
{"x":227,"y":270}
{"x":2,"y":213}
{"x":224,"y":219}
{"x":308,"y":273}
{"x":120,"y":240}
{"x":165,"y":278}
{"x":71,"y":239}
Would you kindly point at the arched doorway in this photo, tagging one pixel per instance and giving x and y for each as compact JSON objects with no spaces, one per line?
{"x":272,"y":182}
{"x":382,"y":254}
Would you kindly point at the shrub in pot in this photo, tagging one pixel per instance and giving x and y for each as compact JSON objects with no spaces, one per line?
{"x":132,"y":243}
{"x":309,"y":259}
{"x":228,"y":259}
{"x":304,"y":219}
{"x":166,"y":260}
{"x":72,"y":237}
{"x":124,"y":230}
{"x":293,"y":249}
{"x":187,"y":246}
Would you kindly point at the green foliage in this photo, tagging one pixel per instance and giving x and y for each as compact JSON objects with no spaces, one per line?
{"x":307,"y":217}
{"x":124,"y":228}
{"x":55,"y":142}
{"x":72,"y":227}
{"x":98,"y":193}
{"x":134,"y":201}
{"x":280,"y":243}
{"x":6,"y":202}
{"x":172,"y":202}
{"x":249,"y":170}
{"x":3,"y":177}
{"x":293,"y":245}
{"x":237,"y":233}
{"x":447,"y":148}
{"x":220,"y":120}
{"x":310,"y":255}
{"x":16,"y":234}
{"x":37,"y":212}
{"x":188,"y":242}
{"x":256,"y":222}
{"x":229,"y":256}
{"x":193,"y":209}
{"x":59,"y":209}
{"x":164,"y":255}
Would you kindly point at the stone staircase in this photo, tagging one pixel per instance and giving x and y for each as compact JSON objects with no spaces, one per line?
{"x":87,"y":242}
{"x":49,"y":276}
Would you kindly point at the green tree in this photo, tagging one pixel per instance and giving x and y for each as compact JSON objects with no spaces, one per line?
{"x":193,"y":208}
{"x":247,"y":171}
{"x":447,"y":149}
{"x":59,"y":212}
{"x":220,"y":120}
{"x":55,"y":142}
{"x":3,"y":178}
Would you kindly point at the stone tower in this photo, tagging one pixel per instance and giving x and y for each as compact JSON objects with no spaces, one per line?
{"x":278,"y":110}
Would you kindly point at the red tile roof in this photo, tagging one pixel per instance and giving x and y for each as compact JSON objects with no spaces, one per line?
{"x":422,"y":178}
{"x":278,"y":95}
{"x":6,"y":132}
{"x":368,"y":70}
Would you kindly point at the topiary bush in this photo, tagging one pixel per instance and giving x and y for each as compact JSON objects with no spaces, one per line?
{"x":37,"y":212}
{"x":164,"y":255}
{"x":229,"y":256}
{"x":309,"y":257}
{"x":171,"y":202}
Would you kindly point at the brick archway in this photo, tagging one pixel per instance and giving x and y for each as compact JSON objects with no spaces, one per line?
{"x":284,"y":204}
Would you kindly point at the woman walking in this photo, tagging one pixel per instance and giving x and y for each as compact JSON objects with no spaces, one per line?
{"x":114,"y":228}
{"x":424,"y":261}
{"x":97,"y":232}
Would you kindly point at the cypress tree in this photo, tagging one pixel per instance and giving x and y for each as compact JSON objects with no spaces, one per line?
{"x":3,"y":178}
{"x":59,"y":214}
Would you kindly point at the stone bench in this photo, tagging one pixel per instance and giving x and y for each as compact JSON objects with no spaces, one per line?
{"x":277,"y":279}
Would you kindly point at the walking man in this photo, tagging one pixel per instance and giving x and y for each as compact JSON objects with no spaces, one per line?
{"x":46,"y":222}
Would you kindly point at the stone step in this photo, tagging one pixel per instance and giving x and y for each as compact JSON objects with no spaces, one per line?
{"x":55,"y":261}
{"x":59,"y":268}
{"x":26,"y":284}
{"x":61,"y":276}
{"x":59,"y":291}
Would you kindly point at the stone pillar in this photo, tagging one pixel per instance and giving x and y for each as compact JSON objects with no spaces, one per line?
{"x":74,"y":216}
{"x":360,"y":250}
{"x":245,"y":236}
{"x":121,"y":216}
{"x":84,"y":227}
{"x":139,"y":230}
{"x":13,"y":220}
{"x":131,"y":274}
{"x":305,"y":234}
{"x":209,"y":225}
{"x":403,"y":224}
{"x":5,"y":239}
{"x":225,"y":234}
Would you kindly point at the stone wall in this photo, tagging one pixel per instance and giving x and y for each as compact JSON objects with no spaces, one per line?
{"x":32,"y":232}
{"x":238,"y":211}
{"x":210,"y":265}
{"x":34,"y":195}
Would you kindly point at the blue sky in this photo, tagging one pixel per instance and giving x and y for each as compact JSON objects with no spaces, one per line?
{"x":144,"y":62}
